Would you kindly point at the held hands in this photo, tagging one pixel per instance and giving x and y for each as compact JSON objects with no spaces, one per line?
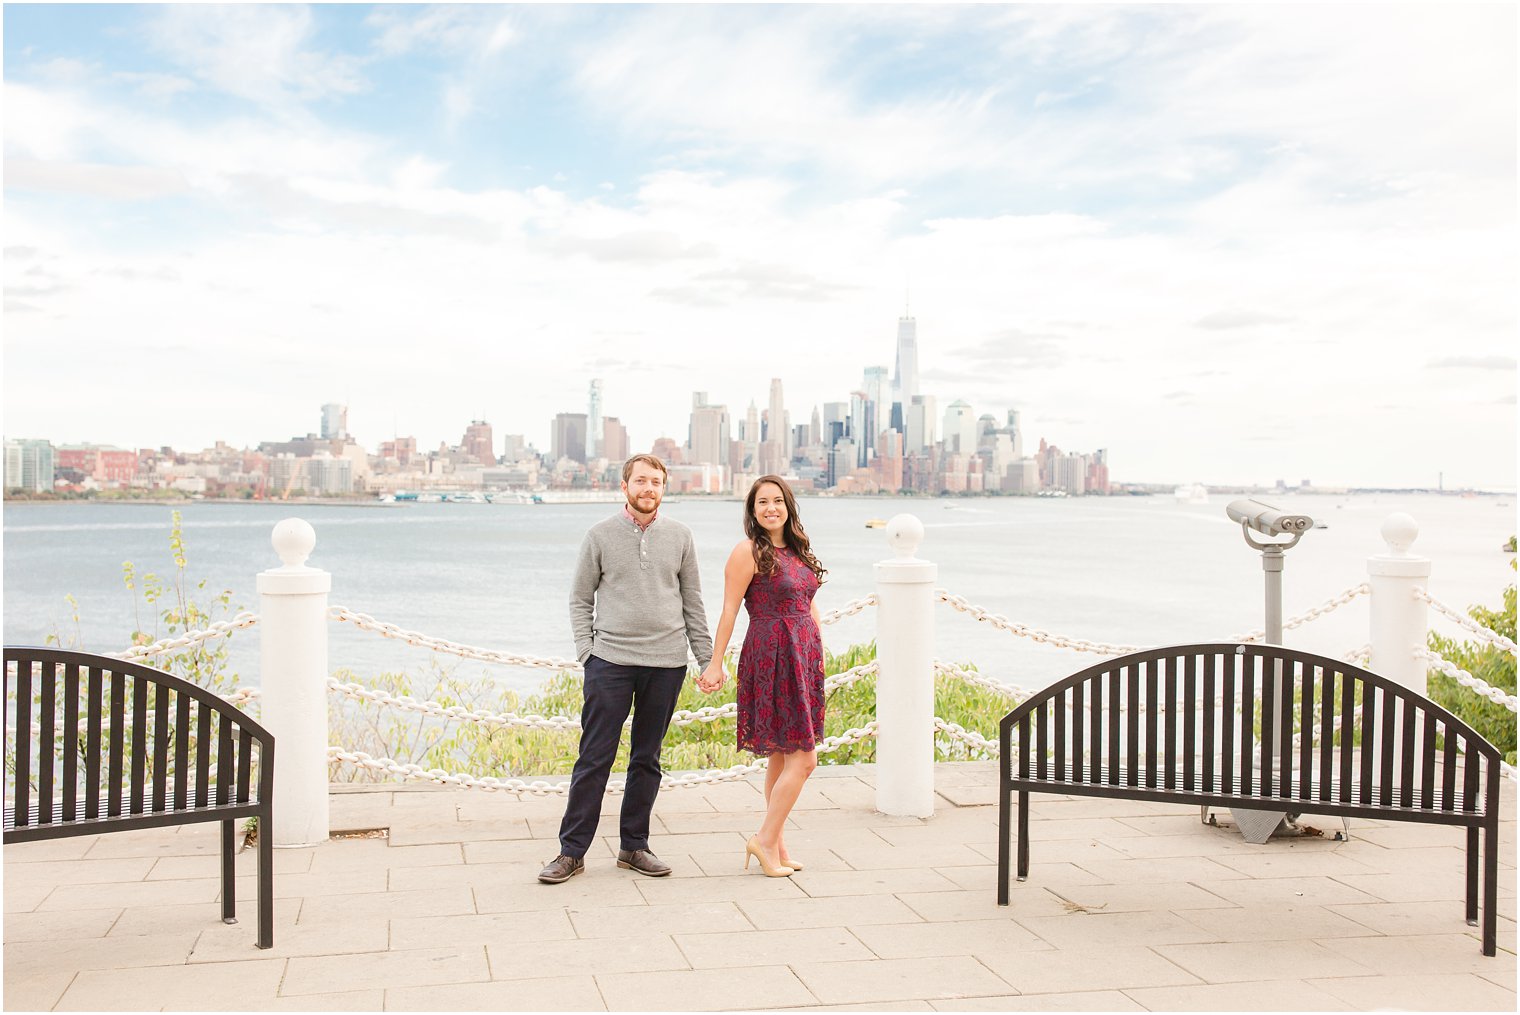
{"x":713,"y":677}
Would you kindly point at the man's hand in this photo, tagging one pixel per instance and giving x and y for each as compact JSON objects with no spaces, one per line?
{"x":713,"y":677}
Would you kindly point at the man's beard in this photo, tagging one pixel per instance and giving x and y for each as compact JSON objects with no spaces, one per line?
{"x":634,"y":505}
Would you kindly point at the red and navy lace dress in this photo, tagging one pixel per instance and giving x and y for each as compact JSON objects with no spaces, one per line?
{"x":781,"y":663}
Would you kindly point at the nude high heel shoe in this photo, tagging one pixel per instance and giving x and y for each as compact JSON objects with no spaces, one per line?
{"x":772,"y":870}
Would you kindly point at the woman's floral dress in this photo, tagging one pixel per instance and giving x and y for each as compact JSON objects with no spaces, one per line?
{"x":781,"y":663}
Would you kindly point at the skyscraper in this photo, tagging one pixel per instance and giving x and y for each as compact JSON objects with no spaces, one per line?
{"x":708,"y":436}
{"x":877,"y":411}
{"x":29,"y":465}
{"x":479,"y":443}
{"x":567,"y":437}
{"x":614,"y":440}
{"x":960,"y":428}
{"x":919,"y":418}
{"x":334,"y":421}
{"x":905,"y":378}
{"x":594,"y":434}
{"x":780,"y":434}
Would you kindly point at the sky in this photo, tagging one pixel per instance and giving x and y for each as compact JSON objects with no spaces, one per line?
{"x":1230,"y":244}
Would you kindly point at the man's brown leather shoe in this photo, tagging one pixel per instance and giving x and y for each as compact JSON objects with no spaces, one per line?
{"x":643,"y":861}
{"x":561,"y":868}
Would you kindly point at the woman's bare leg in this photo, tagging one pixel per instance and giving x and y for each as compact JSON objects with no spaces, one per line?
{"x":795,"y":769}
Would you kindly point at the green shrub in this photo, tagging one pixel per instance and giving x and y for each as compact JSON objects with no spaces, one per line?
{"x":517,"y":752}
{"x":1488,"y":663}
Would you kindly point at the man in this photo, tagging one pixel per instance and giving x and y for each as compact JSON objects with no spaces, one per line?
{"x":635,"y":605}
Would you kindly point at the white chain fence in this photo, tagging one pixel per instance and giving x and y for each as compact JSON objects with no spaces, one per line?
{"x":557,"y":723}
{"x":1002,"y":623}
{"x":367,"y":623}
{"x":849,"y":609}
{"x":1358,"y":656}
{"x":413,"y":772}
{"x":1330,"y":605}
{"x":1485,"y":635}
{"x":220,"y":629}
{"x":1497,"y":695}
{"x":981,"y":680}
{"x":973,"y":739}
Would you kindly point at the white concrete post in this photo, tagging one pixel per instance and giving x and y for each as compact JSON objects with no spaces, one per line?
{"x":905,"y":679}
{"x":293,"y":675}
{"x":1399,"y":621}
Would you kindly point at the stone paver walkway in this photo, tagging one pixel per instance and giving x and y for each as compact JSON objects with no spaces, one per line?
{"x":1129,"y":906}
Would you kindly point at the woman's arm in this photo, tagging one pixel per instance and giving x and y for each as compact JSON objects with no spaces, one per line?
{"x":737,"y":574}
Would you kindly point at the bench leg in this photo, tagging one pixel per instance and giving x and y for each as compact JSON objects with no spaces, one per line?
{"x":1023,"y":835}
{"x":229,"y":876}
{"x":1472,"y":876}
{"x":1005,"y":829}
{"x":1490,"y":886}
{"x":266,"y":884}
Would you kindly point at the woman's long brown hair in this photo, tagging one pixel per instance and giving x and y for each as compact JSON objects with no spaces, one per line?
{"x":791,"y":533}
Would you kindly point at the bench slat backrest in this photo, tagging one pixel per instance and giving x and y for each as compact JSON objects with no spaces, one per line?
{"x":1255,"y":721}
{"x":97,"y":737}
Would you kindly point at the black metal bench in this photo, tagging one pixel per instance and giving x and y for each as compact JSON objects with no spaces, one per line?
{"x":103,"y":745}
{"x":1255,"y":727}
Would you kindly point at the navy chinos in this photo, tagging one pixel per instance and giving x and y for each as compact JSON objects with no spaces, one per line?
{"x":610,"y":691}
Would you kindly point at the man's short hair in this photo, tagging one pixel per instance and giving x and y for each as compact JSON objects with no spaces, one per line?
{"x":649,"y":460}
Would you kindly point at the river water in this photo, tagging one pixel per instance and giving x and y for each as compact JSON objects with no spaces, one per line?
{"x":1131,"y":570}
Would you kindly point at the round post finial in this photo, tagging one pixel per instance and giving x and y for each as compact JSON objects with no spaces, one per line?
{"x":1399,"y":532}
{"x":905,"y":533}
{"x":293,"y":540}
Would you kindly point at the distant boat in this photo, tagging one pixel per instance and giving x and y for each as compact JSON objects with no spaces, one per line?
{"x":876,"y":523}
{"x":1195,"y":494}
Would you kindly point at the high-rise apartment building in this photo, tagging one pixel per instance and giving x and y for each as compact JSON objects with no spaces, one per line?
{"x":960,"y":428}
{"x":594,"y":421}
{"x":479,"y":443}
{"x":567,"y":437}
{"x":888,"y":463}
{"x":614,"y":441}
{"x":401,"y":450}
{"x":29,"y":465}
{"x":334,"y":421}
{"x":859,"y":425}
{"x":878,"y":411}
{"x":328,"y":475}
{"x":836,"y":423}
{"x":919,"y":421}
{"x":709,"y":433}
{"x":905,"y":378}
{"x":1071,"y":474}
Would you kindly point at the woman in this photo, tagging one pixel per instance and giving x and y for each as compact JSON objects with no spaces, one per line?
{"x":775,"y":574}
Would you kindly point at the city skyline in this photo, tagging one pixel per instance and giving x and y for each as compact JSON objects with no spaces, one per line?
{"x":1228,"y":243}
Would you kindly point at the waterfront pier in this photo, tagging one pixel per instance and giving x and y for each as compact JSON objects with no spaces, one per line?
{"x":419,"y":892}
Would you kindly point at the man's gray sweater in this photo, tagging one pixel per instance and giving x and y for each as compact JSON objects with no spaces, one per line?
{"x":636,"y":598}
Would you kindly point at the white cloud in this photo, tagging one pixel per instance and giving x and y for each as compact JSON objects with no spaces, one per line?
{"x":1204,"y":200}
{"x":259,"y":53}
